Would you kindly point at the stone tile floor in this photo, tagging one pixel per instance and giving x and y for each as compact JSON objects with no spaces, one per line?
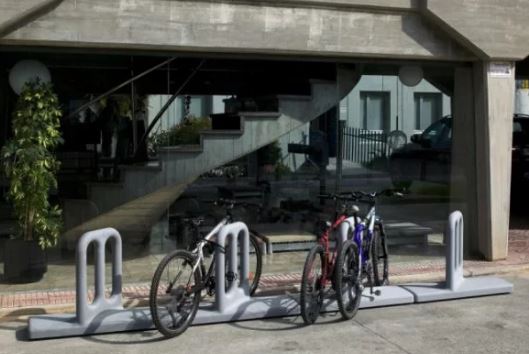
{"x":282,"y":273}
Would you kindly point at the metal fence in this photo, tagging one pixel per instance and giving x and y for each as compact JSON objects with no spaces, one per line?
{"x":363,"y":146}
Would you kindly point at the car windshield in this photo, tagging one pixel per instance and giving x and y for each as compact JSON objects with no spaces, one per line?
{"x":438,"y":133}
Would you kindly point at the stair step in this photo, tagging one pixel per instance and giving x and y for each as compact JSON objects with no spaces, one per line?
{"x":260,"y":115}
{"x":181,"y":148}
{"x":222,"y":132}
{"x":156,"y":167}
{"x":106,"y":184}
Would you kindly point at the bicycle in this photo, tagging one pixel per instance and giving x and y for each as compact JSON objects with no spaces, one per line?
{"x":363,"y":259}
{"x":174,"y":302}
{"x":319,"y":267}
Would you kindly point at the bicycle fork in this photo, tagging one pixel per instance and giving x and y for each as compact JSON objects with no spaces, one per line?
{"x":363,"y":259}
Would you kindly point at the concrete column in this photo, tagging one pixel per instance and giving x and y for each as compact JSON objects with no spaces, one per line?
{"x":494,"y":105}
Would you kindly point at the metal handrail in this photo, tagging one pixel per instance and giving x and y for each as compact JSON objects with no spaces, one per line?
{"x":115,"y":88}
{"x":165,"y":107}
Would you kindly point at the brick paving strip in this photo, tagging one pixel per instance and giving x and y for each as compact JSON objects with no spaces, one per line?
{"x":272,"y":283}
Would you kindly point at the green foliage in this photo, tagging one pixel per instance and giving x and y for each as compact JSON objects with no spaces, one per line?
{"x":281,"y":170}
{"x":185,"y":133}
{"x":30,"y":164}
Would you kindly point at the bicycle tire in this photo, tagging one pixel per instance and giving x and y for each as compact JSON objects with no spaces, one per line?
{"x":155,"y":296}
{"x":379,"y":258}
{"x":348,"y":289}
{"x":254,"y":243}
{"x":312,"y":293}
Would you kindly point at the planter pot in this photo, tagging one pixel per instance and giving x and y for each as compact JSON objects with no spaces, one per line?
{"x":268,"y":169}
{"x":24,"y":261}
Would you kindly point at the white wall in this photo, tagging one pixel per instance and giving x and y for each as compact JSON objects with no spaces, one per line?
{"x":401,"y":104}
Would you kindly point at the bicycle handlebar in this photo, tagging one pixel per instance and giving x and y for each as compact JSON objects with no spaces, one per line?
{"x":231,"y":203}
{"x":358,"y":195}
{"x":340,"y":196}
{"x":374,"y":195}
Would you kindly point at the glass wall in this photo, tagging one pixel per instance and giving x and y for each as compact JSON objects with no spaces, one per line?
{"x":277,"y":161}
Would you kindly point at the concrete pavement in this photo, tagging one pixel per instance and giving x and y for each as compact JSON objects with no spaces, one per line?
{"x":497,"y":324}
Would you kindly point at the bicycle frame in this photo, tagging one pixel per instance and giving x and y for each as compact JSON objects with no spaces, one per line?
{"x":328,"y":262}
{"x":200,"y":246}
{"x":367,"y":223}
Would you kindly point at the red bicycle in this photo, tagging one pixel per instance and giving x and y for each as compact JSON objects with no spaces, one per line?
{"x":319,"y":268}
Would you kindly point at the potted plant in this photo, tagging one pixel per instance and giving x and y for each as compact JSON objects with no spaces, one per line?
{"x":268,"y":156}
{"x":30,"y":166}
{"x":281,"y":169}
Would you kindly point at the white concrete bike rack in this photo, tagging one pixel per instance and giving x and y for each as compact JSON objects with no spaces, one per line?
{"x":233,"y":304}
{"x":104,"y":314}
{"x":456,"y":286}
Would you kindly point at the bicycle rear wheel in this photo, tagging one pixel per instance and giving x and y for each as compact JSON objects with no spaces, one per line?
{"x":379,"y":257}
{"x":348,"y":289}
{"x":256,"y":263}
{"x":175,"y":294}
{"x":312,"y":289}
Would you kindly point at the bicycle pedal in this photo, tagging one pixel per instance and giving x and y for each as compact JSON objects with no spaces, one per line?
{"x":377,"y":292}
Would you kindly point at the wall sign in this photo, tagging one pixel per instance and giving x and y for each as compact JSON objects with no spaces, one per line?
{"x":500,"y":69}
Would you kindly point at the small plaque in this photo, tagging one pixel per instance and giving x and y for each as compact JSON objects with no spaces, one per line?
{"x":500,"y":69}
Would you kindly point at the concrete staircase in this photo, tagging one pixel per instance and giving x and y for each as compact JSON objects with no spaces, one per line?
{"x":181,"y":164}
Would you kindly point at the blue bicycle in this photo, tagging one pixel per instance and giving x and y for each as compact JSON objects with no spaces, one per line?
{"x":363,"y":259}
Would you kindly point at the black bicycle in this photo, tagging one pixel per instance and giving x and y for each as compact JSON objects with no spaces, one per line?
{"x":181,"y":276}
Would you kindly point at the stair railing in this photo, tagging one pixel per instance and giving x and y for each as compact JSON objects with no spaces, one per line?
{"x":164,"y":108}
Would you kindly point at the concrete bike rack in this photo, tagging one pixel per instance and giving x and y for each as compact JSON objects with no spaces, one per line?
{"x":234,"y":303}
{"x":103,"y":314}
{"x":456,"y":286}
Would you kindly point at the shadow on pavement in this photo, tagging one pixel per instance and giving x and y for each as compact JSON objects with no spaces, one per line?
{"x":146,"y":337}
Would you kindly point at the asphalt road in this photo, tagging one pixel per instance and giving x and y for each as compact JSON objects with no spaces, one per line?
{"x":496,"y":324}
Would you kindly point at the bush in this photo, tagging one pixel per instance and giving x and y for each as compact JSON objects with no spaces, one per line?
{"x":185,"y":133}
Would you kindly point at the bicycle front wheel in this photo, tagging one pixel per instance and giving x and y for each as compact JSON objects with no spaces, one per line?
{"x":175,"y":294}
{"x":348,"y":289}
{"x":312,"y":285}
{"x":379,"y":257}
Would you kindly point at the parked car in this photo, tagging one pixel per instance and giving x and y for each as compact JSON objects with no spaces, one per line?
{"x":428,"y":156}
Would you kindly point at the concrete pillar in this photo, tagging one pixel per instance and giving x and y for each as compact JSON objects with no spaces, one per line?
{"x":494,"y":105}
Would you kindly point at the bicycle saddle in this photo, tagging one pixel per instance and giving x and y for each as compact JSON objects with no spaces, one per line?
{"x":354,"y":209}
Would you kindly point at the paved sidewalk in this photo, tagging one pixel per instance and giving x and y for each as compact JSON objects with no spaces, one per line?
{"x":494,"y":324}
